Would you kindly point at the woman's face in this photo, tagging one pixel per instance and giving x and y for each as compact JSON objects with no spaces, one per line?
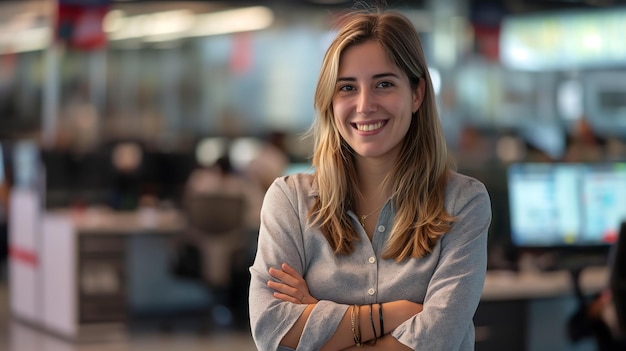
{"x":373,"y":101}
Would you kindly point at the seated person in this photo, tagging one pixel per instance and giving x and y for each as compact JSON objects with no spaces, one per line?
{"x":604,"y":317}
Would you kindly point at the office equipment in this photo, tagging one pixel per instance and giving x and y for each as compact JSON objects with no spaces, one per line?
{"x":572,"y":210}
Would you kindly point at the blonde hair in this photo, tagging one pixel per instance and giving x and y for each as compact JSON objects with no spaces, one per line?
{"x":419,"y":176}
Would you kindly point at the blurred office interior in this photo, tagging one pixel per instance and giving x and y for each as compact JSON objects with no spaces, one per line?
{"x":120,"y":119}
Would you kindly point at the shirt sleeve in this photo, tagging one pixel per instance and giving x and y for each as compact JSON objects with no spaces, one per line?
{"x":454,"y":291}
{"x":281,"y":241}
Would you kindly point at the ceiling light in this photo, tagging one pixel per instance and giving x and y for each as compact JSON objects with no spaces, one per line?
{"x":233,"y":21}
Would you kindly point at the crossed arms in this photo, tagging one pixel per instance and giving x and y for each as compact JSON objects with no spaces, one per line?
{"x":291,"y":287}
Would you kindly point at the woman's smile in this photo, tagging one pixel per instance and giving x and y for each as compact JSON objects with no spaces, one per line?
{"x":369,"y":127}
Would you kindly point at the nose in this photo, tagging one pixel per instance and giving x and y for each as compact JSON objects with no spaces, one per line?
{"x":366,"y":103}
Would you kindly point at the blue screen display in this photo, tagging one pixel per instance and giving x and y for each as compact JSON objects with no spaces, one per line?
{"x":566,"y":204}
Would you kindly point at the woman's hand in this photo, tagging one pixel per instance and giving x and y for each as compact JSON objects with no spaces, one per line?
{"x":291,"y":287}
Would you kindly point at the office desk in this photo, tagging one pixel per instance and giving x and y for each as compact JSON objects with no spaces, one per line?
{"x":75,"y":284}
{"x":506,"y":285}
{"x":96,"y":221}
{"x":529,"y":311}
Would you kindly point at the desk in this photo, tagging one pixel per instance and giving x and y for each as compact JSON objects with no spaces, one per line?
{"x":505,"y":285}
{"x":95,"y":221}
{"x":77,"y":278}
{"x":528,"y":311}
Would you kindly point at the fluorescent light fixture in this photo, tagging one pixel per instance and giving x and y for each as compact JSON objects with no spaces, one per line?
{"x":592,"y":41}
{"x":168,"y":25}
{"x":159,"y":26}
{"x":113,"y":21}
{"x":31,"y":39}
{"x":127,"y":27}
{"x":176,"y":24}
{"x":233,"y":21}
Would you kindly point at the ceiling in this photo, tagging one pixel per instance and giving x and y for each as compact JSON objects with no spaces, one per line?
{"x":477,"y":8}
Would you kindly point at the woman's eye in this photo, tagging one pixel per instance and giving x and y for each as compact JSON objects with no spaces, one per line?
{"x":384,"y":84}
{"x":346,"y":88}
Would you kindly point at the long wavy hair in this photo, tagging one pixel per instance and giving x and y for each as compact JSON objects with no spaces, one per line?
{"x":419,"y":175}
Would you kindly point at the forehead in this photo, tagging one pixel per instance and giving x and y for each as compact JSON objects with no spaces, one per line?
{"x":365,"y":57}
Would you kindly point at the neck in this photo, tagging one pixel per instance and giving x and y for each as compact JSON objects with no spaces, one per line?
{"x":371,"y":174}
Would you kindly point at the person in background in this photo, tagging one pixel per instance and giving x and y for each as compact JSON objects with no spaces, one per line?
{"x":270,"y":162}
{"x":583,"y":145}
{"x":127,"y":160}
{"x":383,"y":245}
{"x":224,"y":259}
{"x":222,"y":177}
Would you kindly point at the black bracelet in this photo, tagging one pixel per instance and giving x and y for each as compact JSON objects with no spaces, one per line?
{"x":372,"y":342}
{"x":380,"y":318}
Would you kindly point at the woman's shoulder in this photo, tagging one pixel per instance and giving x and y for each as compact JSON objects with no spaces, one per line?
{"x":299,"y":183}
{"x":461,"y":185}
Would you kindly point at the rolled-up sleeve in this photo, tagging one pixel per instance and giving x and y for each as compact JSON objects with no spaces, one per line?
{"x":281,"y":241}
{"x":453,"y":294}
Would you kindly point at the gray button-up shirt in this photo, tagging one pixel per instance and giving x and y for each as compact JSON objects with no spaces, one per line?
{"x":448,"y":282}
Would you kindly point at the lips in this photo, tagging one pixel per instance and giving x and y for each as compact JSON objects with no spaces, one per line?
{"x":369,"y":127}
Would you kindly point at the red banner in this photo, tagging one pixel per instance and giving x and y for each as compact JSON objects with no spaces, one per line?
{"x":81,"y":26}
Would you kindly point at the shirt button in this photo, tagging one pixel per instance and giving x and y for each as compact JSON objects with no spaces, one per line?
{"x":381,"y":228}
{"x":372,"y":259}
{"x":371,"y":291}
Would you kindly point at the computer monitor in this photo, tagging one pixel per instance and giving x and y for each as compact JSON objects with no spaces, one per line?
{"x":571,"y":207}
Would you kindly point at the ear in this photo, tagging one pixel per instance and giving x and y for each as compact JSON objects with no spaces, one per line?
{"x":418,"y":94}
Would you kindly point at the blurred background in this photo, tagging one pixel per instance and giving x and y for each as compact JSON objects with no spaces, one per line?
{"x":137,"y":139}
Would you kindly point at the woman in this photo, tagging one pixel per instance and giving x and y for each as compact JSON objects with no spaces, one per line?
{"x":383,"y":245}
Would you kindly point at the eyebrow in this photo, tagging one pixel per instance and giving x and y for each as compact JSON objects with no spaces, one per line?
{"x":376,"y":76}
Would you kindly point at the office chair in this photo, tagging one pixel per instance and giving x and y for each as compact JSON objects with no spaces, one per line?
{"x":218,"y":221}
{"x":215,"y":214}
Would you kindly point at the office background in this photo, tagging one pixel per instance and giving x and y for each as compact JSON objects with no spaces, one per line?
{"x":122,"y":101}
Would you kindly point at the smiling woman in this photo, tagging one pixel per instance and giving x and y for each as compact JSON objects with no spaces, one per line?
{"x":374,"y":102}
{"x":383,"y":244}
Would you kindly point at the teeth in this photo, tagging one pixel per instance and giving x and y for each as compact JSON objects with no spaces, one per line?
{"x":369,"y":127}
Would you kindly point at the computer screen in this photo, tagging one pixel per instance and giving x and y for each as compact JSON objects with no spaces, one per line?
{"x":566,"y":204}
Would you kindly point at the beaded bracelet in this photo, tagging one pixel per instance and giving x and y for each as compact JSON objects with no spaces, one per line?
{"x":356,"y":325}
{"x":352,"y":322}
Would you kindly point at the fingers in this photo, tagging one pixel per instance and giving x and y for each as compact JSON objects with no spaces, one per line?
{"x":286,"y":292}
{"x":287,"y":298}
{"x":290,"y":285}
{"x":282,"y":276}
{"x":289,"y":276}
{"x":289,"y":270}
